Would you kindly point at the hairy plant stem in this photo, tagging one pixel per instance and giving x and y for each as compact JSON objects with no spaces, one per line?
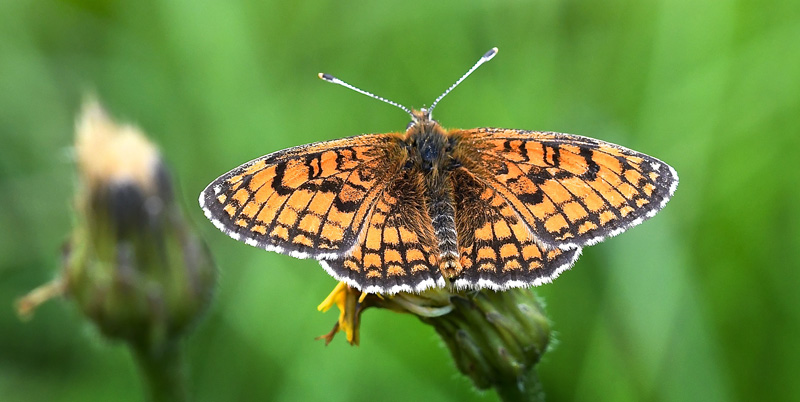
{"x":527,"y":388}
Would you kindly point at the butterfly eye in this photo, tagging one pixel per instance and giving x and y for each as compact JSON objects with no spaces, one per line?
{"x":410,"y":124}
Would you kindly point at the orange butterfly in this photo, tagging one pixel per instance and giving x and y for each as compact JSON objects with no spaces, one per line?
{"x":404,"y":212}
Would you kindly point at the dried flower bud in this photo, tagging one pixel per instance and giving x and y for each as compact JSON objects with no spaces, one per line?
{"x":134,"y":267}
{"x":132,"y":264}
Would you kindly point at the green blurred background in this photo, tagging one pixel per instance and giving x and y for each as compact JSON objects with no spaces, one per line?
{"x":700,"y":303}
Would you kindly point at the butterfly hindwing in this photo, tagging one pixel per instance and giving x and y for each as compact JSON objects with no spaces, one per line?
{"x":571,"y":191}
{"x":308,"y":201}
{"x":497,"y":250}
{"x":396,"y":250}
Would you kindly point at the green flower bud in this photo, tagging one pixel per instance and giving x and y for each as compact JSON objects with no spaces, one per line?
{"x":495,"y":338}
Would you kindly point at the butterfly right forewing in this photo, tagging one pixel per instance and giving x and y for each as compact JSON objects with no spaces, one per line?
{"x":571,"y":191}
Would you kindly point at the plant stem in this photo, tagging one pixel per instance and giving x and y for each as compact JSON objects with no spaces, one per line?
{"x":527,"y":389}
{"x":163,"y":373}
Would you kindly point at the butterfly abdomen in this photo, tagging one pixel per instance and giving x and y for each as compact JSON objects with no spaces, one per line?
{"x":442,"y":214}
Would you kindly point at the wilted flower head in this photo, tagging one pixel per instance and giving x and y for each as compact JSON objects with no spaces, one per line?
{"x":132,"y":264}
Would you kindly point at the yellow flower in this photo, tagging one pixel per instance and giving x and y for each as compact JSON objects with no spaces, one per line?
{"x":350,"y":308}
{"x":352,"y":302}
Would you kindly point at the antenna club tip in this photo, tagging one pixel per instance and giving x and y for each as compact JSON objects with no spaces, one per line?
{"x":491,"y":53}
{"x":326,"y":77}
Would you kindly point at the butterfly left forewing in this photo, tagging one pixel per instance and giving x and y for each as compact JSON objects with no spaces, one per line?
{"x":571,"y":191}
{"x":308,"y":201}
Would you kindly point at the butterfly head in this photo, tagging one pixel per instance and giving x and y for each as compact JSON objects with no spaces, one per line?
{"x":427,"y":143}
{"x":421,"y":118}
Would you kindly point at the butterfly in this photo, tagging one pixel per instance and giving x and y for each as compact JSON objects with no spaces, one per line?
{"x":430,"y":207}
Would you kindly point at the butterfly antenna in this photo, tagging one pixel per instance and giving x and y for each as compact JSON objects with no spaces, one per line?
{"x":486,"y":57}
{"x":334,"y":80}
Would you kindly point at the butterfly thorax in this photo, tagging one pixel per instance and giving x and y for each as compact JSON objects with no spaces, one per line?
{"x":430,"y":152}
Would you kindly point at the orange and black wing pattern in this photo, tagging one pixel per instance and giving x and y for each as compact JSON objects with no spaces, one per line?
{"x":479,"y":208}
{"x":397,"y":251}
{"x":497,"y":249}
{"x":309,"y":201}
{"x":570,"y":191}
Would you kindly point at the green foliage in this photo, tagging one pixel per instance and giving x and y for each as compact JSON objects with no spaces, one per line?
{"x":700,"y":303}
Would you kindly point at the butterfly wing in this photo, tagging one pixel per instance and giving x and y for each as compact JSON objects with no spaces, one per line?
{"x":571,"y":191}
{"x":396,"y":251}
{"x":497,"y":250}
{"x":308,"y":201}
